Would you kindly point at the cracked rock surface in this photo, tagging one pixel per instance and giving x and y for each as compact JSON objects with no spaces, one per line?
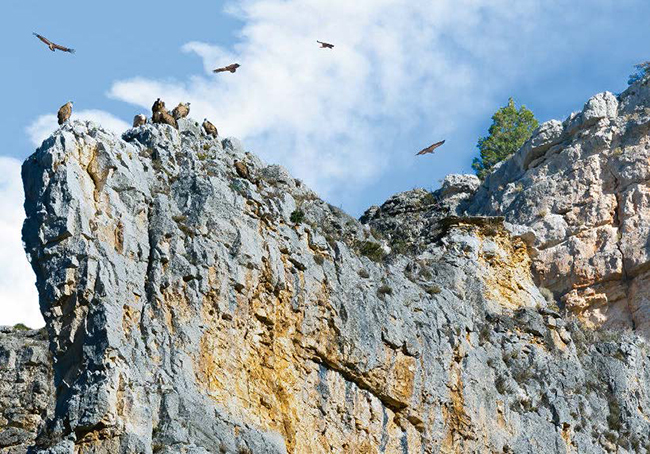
{"x":198,"y":300}
{"x":26,"y":387}
{"x":582,"y":186}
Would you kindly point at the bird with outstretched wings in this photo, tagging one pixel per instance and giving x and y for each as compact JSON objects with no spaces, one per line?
{"x":231,"y":68}
{"x":52,"y":45}
{"x":430,"y":148}
{"x":325,"y":45}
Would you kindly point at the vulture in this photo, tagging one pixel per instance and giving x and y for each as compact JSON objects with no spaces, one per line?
{"x":209,"y":128}
{"x":325,"y":45}
{"x":181,"y":110}
{"x":64,"y":112}
{"x":158,"y":106}
{"x":53,"y":46}
{"x":430,"y":148}
{"x":139,"y":120}
{"x":242,"y":170}
{"x":164,"y":117}
{"x":232,"y":68}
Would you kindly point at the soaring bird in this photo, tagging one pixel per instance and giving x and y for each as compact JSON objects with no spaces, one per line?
{"x":209,"y":128}
{"x":64,"y":112}
{"x":158,"y":106}
{"x":139,"y":120}
{"x":430,"y":149}
{"x":164,"y":117}
{"x":232,"y":68}
{"x":53,"y":46}
{"x":181,"y":110}
{"x":325,"y":45}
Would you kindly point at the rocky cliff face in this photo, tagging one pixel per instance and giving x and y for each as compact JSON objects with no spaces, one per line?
{"x":198,"y":300}
{"x":26,"y":388}
{"x":582,"y":186}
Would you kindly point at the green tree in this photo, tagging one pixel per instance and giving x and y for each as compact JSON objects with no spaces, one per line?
{"x":510,"y":129}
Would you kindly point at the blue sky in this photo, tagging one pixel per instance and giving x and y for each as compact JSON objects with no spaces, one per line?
{"x":403,"y":74}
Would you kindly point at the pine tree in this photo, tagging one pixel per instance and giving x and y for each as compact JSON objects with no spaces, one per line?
{"x":510,"y":129}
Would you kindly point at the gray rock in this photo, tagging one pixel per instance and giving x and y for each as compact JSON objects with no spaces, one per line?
{"x":188,"y":311}
{"x":582,"y":191}
{"x":26,"y":387}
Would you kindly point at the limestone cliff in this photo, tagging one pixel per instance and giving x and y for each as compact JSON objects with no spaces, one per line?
{"x":197,"y":305}
{"x":582,"y":186}
{"x":26,"y":388}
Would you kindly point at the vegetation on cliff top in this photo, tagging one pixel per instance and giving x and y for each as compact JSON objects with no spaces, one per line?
{"x":511,"y":127}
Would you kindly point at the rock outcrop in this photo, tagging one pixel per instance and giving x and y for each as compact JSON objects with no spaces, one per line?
{"x":26,"y":387}
{"x":582,"y":187}
{"x":198,"y":300}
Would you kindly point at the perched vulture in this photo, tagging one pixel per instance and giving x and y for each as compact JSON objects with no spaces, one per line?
{"x":325,"y":45}
{"x":139,"y":120}
{"x":242,"y":170}
{"x":232,"y":68}
{"x":181,"y":110}
{"x":209,"y":128}
{"x":158,"y":106}
{"x":53,"y":46}
{"x":64,"y":112}
{"x":430,"y":149}
{"x":163,"y":117}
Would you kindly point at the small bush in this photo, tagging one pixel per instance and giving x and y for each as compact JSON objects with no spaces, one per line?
{"x":428,"y":199}
{"x":297,"y":216}
{"x":21,"y":327}
{"x":363,"y":273}
{"x":384,"y":290}
{"x":400,"y":247}
{"x":433,"y":289}
{"x":639,"y":73}
{"x":371,"y":250}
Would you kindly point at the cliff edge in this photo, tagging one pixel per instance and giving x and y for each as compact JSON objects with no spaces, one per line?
{"x":199,"y":300}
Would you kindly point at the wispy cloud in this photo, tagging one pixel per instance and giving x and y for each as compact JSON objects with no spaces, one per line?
{"x":334,"y":116}
{"x":18,"y":296}
{"x":41,"y":128}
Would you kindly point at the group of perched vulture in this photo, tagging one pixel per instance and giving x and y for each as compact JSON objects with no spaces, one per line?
{"x":162,"y":115}
{"x":159,"y":114}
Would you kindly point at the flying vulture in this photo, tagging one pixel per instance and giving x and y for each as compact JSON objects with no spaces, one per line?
{"x":325,"y":45}
{"x":158,"y":106}
{"x":164,"y":117}
{"x":232,"y":68}
{"x":209,"y":128}
{"x":64,"y":112}
{"x":53,"y":46}
{"x":430,"y":148}
{"x":139,"y":120}
{"x":181,"y":110}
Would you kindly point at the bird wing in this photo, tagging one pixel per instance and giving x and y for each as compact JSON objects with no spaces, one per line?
{"x":64,"y":49}
{"x":430,"y":148}
{"x":232,"y":68}
{"x":43,"y":38}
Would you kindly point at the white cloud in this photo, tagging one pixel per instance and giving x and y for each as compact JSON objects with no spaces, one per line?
{"x":45,"y":125}
{"x":18,"y":296}
{"x":335,"y":117}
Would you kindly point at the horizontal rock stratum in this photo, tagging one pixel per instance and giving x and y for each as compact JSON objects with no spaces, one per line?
{"x":198,"y":300}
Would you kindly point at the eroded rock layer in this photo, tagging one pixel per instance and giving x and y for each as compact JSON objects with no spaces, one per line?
{"x":201,"y":301}
{"x":582,"y":187}
{"x":26,"y":387}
